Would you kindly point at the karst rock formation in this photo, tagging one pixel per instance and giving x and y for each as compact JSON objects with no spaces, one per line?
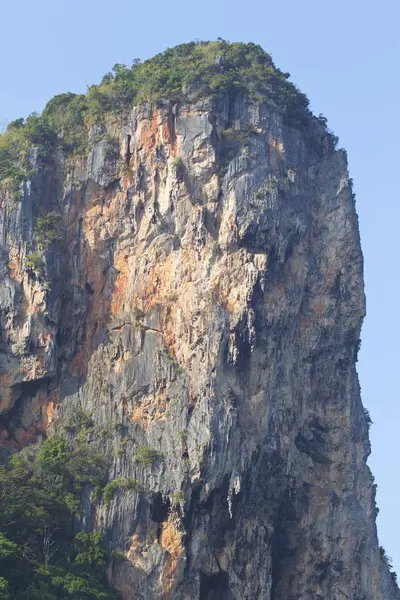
{"x":201,"y":300}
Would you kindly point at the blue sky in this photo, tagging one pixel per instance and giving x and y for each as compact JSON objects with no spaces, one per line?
{"x":343,"y":54}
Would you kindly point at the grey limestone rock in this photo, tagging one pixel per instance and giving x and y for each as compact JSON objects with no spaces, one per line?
{"x":206,"y":312}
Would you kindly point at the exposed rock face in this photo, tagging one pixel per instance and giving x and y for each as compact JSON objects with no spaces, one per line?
{"x":205,"y":308}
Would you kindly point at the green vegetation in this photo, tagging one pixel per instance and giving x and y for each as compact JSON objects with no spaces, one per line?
{"x":120,"y":428}
{"x":388,"y":561}
{"x":120,"y":483}
{"x":68,"y":468}
{"x":172,"y":297}
{"x":66,"y":114}
{"x":40,"y":557}
{"x":16,"y":147}
{"x":368,"y":418}
{"x":145,"y":456}
{"x":269,"y":188}
{"x":76,"y":420}
{"x":60,"y":125}
{"x":105,"y":432}
{"x":35,"y":263}
{"x":47,"y":229}
{"x":188,"y":72}
{"x":241,"y":136}
{"x":178,"y":498}
{"x":126,"y":170}
{"x":177,"y":162}
{"x":198,"y":70}
{"x":179,"y":371}
{"x":90,"y":549}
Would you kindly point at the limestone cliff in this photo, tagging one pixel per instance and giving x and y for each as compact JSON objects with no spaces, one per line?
{"x":202,"y":302}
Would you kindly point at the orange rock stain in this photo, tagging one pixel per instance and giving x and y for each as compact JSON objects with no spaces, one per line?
{"x":172,"y":541}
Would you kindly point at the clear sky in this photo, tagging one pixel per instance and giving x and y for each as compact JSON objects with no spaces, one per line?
{"x":343,"y":53}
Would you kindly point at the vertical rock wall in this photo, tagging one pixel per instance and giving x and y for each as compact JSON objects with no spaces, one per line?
{"x":203,"y":305}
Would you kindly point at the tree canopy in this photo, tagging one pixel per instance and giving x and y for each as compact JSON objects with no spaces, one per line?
{"x":186,"y":73}
{"x":41,"y":555}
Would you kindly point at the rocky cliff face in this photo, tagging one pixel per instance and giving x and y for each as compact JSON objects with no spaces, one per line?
{"x":202,"y":302}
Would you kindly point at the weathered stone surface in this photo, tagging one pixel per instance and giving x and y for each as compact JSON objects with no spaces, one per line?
{"x":206,"y":305}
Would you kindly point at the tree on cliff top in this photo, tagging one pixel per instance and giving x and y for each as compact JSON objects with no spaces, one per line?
{"x":186,"y":73}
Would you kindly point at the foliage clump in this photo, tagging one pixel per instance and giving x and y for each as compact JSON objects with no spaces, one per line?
{"x":120,"y":483}
{"x":35,"y":263}
{"x":77,"y":420}
{"x":16,"y":155}
{"x":66,"y":114}
{"x":178,"y":498}
{"x":177,"y":162}
{"x":368,"y":418}
{"x":186,"y":73}
{"x":195,"y":71}
{"x":40,"y":555}
{"x":145,"y":456}
{"x":389,"y":563}
{"x":47,"y":229}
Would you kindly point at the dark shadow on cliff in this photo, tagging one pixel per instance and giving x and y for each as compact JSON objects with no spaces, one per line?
{"x":215,"y":586}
